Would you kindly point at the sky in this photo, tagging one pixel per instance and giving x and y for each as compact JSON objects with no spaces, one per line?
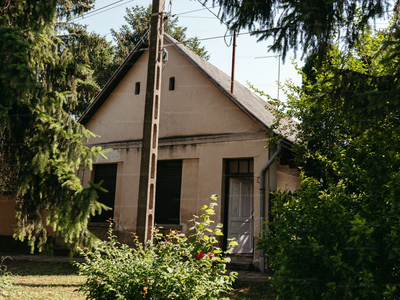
{"x":253,"y":61}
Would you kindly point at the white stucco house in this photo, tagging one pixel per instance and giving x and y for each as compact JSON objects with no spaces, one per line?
{"x":210,"y":142}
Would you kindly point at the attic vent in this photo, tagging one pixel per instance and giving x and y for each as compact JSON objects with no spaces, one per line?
{"x":172,"y":83}
{"x":137,"y":88}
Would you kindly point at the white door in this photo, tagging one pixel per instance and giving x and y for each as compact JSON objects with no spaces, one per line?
{"x":240,"y":217}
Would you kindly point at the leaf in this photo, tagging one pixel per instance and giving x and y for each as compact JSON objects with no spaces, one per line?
{"x":210,"y":211}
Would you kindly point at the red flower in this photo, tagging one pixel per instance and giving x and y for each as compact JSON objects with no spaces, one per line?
{"x":211,"y":255}
{"x":143,"y":292}
{"x":199,"y":255}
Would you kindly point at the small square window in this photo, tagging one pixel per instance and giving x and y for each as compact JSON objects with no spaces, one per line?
{"x":137,"y":88}
{"x":233,"y":166}
{"x":243,"y":166}
{"x":172,"y":83}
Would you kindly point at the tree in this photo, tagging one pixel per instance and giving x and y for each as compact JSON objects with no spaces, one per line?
{"x":41,"y":145}
{"x":98,"y":59}
{"x":311,"y":25}
{"x":138,"y":19}
{"x":92,"y":58}
{"x":337,"y":237}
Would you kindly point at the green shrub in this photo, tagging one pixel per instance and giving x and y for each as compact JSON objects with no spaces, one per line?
{"x":328,"y":245}
{"x":175,"y":267}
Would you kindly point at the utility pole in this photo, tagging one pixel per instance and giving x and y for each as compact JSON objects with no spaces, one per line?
{"x":148,"y":164}
{"x":233,"y":62}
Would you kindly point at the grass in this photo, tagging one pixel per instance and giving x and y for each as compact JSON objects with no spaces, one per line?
{"x":33,"y":280}
{"x":42,"y":280}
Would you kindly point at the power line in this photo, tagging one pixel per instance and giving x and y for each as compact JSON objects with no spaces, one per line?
{"x":209,"y":38}
{"x":212,"y":13}
{"x":100,"y":8}
{"x":187,"y":12}
{"x":96,"y":13}
{"x":194,"y":17}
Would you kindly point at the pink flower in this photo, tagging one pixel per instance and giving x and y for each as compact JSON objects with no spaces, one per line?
{"x":200,"y":255}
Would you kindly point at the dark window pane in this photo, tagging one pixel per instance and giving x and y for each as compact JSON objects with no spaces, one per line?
{"x":108,"y":173}
{"x":233,"y":166}
{"x":172,"y":83}
{"x":243,"y":166}
{"x":137,"y":88}
{"x":168,"y":192}
{"x":251,"y":167}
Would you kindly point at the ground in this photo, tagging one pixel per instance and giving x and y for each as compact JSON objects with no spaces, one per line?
{"x":34,"y":280}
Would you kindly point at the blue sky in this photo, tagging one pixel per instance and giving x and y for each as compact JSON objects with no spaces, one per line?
{"x":261,"y":72}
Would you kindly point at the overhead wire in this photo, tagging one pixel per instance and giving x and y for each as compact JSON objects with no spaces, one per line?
{"x":209,"y":38}
{"x":187,"y":12}
{"x":228,"y":28}
{"x":96,"y":13}
{"x":100,"y":8}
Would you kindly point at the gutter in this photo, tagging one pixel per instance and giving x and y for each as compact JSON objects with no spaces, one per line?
{"x":264,"y":169}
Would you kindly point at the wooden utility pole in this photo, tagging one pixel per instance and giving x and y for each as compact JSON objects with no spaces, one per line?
{"x":233,"y":62}
{"x":148,"y":165}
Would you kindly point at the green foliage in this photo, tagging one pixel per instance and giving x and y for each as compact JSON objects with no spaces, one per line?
{"x":92,"y":64}
{"x":175,"y":267}
{"x":138,"y":19}
{"x":309,"y":25}
{"x":41,"y":144}
{"x":337,"y":237}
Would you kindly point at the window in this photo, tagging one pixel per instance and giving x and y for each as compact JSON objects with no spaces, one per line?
{"x":172,"y":83}
{"x":239,"y":166}
{"x":137,"y":88}
{"x":108,"y":173}
{"x":168,"y":192}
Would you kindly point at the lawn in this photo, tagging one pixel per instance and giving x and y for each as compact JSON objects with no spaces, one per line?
{"x":59,"y":280}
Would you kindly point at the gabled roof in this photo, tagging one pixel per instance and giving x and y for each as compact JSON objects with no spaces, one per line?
{"x":247,"y":101}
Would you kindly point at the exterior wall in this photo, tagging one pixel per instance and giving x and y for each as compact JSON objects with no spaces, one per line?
{"x":202,"y":174}
{"x":7,"y":215}
{"x":195,"y":107}
{"x":288,"y":178}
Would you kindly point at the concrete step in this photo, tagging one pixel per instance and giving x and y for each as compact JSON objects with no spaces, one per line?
{"x":241,"y":265}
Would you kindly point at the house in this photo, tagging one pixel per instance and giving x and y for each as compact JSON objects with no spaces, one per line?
{"x":210,"y":142}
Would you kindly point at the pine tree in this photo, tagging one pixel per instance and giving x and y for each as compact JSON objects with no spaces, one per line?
{"x":93,"y":58}
{"x":307,"y":25}
{"x":41,"y":144}
{"x":138,"y":19}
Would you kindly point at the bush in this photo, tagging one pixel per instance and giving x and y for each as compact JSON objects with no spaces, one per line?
{"x":175,"y":267}
{"x":327,"y":245}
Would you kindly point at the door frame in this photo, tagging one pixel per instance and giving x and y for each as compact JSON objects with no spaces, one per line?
{"x":229,"y":173}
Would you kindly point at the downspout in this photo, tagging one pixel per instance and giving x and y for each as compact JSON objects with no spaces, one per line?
{"x":264,"y":169}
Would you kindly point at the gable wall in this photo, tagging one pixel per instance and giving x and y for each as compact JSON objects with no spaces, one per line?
{"x":195,"y":107}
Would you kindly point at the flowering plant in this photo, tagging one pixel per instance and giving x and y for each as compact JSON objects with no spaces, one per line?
{"x":175,"y":267}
